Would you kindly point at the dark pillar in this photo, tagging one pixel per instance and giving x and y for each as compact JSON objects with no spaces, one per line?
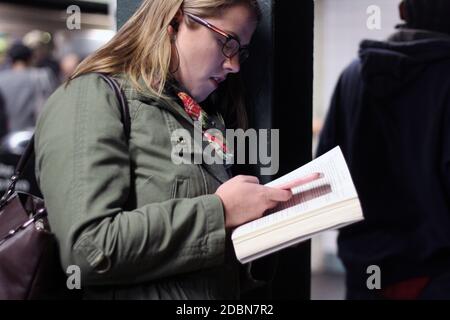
{"x":292,"y":114}
{"x":279,"y":81}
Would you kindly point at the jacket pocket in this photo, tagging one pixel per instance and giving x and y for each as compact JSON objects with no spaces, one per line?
{"x":180,"y":188}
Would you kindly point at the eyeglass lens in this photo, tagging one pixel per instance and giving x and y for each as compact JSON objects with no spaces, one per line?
{"x":232,"y":47}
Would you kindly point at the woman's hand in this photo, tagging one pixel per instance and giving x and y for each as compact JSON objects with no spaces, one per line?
{"x":244,"y":199}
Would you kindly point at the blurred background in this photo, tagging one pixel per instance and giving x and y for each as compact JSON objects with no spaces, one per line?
{"x":59,"y":35}
{"x":41,"y":43}
{"x":339,"y":27}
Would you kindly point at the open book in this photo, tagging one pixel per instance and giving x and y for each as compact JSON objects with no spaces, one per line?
{"x":327,"y":203}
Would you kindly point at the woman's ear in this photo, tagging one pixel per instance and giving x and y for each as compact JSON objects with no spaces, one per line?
{"x":171,"y":30}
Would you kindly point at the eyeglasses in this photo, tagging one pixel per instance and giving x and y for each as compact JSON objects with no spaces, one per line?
{"x":232,"y":45}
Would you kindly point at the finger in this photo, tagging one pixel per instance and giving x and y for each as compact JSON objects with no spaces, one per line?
{"x":274,"y":194}
{"x":300,"y":181}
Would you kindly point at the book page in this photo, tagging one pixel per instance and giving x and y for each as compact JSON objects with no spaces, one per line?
{"x":335,"y":186}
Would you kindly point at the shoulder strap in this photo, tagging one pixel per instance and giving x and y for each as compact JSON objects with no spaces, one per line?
{"x":124,"y":110}
{"x":29,"y":151}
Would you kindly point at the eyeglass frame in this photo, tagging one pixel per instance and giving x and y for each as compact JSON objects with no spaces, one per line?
{"x":228,"y":37}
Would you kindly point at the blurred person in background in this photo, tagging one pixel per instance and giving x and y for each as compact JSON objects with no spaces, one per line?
{"x":390,"y":113}
{"x":42,"y":45}
{"x":24,"y":89}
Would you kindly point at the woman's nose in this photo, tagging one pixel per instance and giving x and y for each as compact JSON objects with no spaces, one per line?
{"x":232,"y":64}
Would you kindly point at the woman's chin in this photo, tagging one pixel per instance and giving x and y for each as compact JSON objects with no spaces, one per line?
{"x":203,"y":96}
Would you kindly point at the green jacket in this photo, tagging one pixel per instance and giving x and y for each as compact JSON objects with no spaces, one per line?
{"x":138,"y":225}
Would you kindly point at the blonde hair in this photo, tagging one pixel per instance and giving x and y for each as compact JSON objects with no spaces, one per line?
{"x":142,"y":47}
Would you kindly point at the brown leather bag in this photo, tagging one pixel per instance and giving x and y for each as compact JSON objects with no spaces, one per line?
{"x":29,"y":262}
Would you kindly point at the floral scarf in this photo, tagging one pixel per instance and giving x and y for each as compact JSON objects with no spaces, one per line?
{"x":196,"y":113}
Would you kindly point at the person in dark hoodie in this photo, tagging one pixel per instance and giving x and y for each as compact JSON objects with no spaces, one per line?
{"x":390,"y":113}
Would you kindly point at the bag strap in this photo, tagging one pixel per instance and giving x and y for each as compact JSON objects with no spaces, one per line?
{"x":124,"y":110}
{"x":29,"y":151}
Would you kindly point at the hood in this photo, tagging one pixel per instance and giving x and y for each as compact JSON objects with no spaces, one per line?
{"x":389,"y":66}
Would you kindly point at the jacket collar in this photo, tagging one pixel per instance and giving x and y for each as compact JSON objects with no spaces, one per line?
{"x":171,"y":103}
{"x":174,"y":106}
